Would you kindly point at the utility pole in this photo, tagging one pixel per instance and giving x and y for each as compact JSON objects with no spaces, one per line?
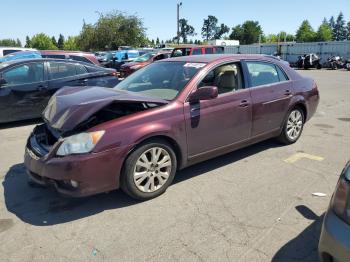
{"x":178,"y":22}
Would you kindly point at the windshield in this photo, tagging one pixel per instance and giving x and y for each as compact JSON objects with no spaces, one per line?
{"x":144,"y":57}
{"x":161,"y":80}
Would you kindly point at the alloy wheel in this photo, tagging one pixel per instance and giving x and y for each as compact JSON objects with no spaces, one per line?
{"x":152,"y":169}
{"x":294,"y":124}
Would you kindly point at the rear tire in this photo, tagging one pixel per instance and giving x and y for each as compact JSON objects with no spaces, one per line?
{"x":149,"y":170}
{"x":293,"y":126}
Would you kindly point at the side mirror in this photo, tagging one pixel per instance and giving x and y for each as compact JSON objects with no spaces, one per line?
{"x":203,"y":93}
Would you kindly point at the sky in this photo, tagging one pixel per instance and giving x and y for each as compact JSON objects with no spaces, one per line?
{"x":19,"y":18}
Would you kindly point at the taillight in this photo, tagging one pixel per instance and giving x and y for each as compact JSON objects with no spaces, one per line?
{"x":340,"y":200}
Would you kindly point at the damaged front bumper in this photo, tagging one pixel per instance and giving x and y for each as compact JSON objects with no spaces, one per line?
{"x":73,"y":175}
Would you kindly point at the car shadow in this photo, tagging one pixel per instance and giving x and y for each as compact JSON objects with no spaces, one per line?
{"x":20,"y":123}
{"x":42,"y":206}
{"x":304,"y":246}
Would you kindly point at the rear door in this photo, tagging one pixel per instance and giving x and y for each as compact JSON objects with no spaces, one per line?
{"x":64,"y":74}
{"x":271,"y":92}
{"x":22,"y":95}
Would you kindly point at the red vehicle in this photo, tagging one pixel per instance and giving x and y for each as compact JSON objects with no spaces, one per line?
{"x":142,"y":61}
{"x":197,"y":50}
{"x":73,"y":55}
{"x":169,"y":115}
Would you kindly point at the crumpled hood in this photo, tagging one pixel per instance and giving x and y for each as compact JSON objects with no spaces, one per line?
{"x":70,"y":106}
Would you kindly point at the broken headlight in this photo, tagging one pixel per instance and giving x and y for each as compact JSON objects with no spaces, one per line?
{"x":80,"y":143}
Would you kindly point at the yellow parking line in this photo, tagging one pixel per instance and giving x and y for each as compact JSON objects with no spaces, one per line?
{"x":298,"y":156}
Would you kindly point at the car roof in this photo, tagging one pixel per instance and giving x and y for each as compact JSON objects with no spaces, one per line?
{"x":216,"y":57}
{"x":21,"y":61}
{"x":65,"y":52}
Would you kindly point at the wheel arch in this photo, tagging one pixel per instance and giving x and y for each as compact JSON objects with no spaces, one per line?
{"x":171,"y":141}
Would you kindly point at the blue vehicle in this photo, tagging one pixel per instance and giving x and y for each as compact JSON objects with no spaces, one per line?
{"x":20,"y":55}
{"x":124,"y":56}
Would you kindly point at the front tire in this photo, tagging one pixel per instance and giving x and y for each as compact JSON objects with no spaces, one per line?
{"x":149,"y":170}
{"x":292,"y":127}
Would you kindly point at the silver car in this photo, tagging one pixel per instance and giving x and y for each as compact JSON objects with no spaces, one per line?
{"x":334,"y":245}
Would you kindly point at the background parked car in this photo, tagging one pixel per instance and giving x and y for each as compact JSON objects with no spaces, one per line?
{"x":86,"y":57}
{"x":20,"y":55}
{"x":27,"y":85}
{"x":124,"y":56}
{"x":106,"y":59}
{"x":8,"y":50}
{"x":142,"y":61}
{"x":309,"y":61}
{"x":334,"y":244}
{"x":197,"y":50}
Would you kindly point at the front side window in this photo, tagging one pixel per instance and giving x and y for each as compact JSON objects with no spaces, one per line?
{"x":61,"y":70}
{"x":227,"y":78}
{"x":24,"y":74}
{"x":163,"y":80}
{"x":262,"y":73}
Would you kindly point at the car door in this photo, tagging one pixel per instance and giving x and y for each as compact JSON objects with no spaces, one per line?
{"x":22,"y":91}
{"x":64,"y":74}
{"x":271,"y":93}
{"x":223,"y":121}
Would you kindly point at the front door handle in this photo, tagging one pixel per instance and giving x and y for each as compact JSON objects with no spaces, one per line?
{"x":244,"y":103}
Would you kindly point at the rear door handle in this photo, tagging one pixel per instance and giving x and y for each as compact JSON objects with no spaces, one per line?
{"x":244,"y":103}
{"x":287,"y":92}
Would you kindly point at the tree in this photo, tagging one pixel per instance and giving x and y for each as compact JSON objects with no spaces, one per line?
{"x":18,"y":43}
{"x":53,"y":39}
{"x":42,"y":42}
{"x":209,"y":27}
{"x":60,"y":42}
{"x":157,"y":41}
{"x":324,"y":32}
{"x":305,"y":33}
{"x":221,"y":30}
{"x":112,"y":30}
{"x":348,"y":31}
{"x":247,"y":33}
{"x":71,"y":43}
{"x":10,"y":42}
{"x":28,"y":42}
{"x":339,"y":30}
{"x":185,"y":30}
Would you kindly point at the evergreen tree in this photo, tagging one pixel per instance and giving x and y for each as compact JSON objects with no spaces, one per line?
{"x":305,"y":33}
{"x":28,"y":42}
{"x":339,"y":31}
{"x":60,"y":42}
{"x":53,"y":39}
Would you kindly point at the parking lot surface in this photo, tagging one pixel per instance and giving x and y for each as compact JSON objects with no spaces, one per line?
{"x":255,"y":204}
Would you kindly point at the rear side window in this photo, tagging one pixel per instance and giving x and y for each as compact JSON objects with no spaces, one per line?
{"x":80,"y":69}
{"x":54,"y":56}
{"x":262,"y":73}
{"x":61,"y":70}
{"x":24,"y":74}
{"x":197,"y":51}
{"x":9,"y":51}
{"x":209,"y":50}
{"x":80,"y":58}
{"x":281,"y":75}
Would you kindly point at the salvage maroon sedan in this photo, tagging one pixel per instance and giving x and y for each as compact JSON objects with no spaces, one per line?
{"x":169,"y":115}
